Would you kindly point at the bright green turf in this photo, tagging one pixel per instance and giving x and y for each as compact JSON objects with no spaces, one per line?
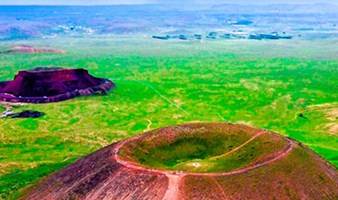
{"x":160,"y":84}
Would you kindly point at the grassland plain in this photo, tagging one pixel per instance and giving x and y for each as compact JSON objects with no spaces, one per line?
{"x":284,"y":87}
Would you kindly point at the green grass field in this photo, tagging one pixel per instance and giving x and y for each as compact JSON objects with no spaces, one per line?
{"x":287,"y":88}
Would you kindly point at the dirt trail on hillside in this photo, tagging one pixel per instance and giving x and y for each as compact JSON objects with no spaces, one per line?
{"x":173,"y":191}
{"x":240,"y":146}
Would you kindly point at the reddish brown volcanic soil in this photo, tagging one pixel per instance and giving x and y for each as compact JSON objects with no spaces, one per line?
{"x":289,"y":171}
{"x":32,"y":50}
{"x":44,"y":85}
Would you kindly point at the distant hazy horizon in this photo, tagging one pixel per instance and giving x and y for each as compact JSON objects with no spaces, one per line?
{"x":135,"y":2}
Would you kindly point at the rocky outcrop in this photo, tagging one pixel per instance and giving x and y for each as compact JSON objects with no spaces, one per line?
{"x":272,"y":36}
{"x":232,"y":35}
{"x":45,"y":85}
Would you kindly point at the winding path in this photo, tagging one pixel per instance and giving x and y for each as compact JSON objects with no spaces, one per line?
{"x":240,"y":146}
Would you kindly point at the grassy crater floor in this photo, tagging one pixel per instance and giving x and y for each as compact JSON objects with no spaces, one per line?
{"x":213,"y":148}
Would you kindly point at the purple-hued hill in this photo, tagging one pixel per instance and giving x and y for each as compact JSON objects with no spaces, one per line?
{"x":27,"y":49}
{"x":45,"y":85}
